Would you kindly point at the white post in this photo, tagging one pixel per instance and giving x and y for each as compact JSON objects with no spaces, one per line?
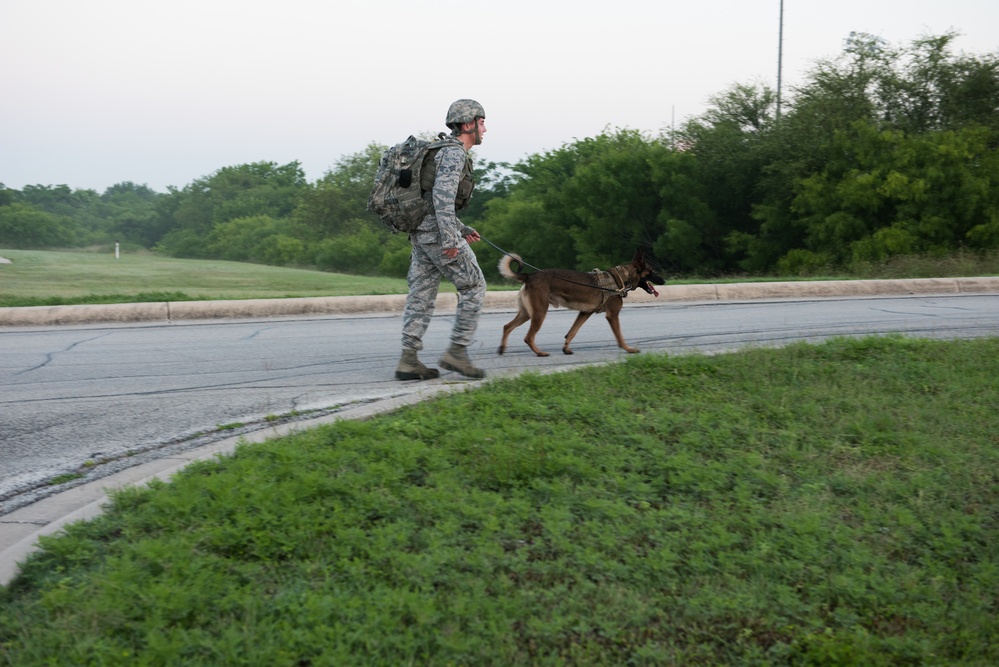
{"x":116,"y":250}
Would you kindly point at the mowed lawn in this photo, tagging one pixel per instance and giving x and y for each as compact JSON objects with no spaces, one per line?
{"x":49,"y":278}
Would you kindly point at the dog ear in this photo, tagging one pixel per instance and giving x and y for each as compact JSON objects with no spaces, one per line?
{"x":639,"y":258}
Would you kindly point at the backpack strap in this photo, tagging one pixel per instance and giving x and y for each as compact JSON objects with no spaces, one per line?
{"x":428,"y":169}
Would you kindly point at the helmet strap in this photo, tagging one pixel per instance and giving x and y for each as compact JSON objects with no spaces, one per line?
{"x":458,"y":131}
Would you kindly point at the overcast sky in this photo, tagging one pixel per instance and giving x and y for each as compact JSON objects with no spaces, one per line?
{"x":97,"y":92}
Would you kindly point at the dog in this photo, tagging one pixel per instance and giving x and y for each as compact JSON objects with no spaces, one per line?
{"x":593,"y":292}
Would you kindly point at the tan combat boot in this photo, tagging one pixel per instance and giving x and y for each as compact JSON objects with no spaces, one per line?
{"x":410,"y":368}
{"x":456,"y":359}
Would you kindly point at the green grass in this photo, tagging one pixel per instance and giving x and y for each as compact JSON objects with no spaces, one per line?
{"x":47,"y":278}
{"x":963,"y":263}
{"x":833,"y":504}
{"x":52,"y":278}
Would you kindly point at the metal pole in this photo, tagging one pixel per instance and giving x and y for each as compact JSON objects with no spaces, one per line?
{"x":780,"y":54}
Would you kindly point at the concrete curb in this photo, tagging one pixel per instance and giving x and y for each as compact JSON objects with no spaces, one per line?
{"x":174,"y":311}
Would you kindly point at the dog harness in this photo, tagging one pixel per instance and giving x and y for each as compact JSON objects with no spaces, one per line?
{"x":610,"y":283}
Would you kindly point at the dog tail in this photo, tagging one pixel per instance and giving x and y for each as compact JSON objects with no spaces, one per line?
{"x":506,"y":267}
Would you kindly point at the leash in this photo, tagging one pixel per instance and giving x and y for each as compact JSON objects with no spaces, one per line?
{"x":623,"y":291}
{"x":505,"y":252}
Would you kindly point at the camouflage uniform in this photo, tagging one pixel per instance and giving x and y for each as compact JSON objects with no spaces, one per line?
{"x":439,"y":230}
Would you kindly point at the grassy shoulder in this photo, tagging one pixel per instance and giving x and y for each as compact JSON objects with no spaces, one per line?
{"x":816,"y":504}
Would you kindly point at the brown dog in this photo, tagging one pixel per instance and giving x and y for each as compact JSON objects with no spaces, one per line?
{"x":593,"y":292}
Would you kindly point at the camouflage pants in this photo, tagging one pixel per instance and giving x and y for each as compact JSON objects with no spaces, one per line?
{"x":426,"y":267}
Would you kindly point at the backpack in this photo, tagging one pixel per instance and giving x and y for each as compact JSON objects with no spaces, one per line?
{"x":401,"y":179}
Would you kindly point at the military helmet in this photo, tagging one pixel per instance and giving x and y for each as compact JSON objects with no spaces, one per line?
{"x":464,"y":111}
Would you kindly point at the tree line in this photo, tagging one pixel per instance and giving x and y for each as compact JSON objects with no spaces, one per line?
{"x":884,"y":150}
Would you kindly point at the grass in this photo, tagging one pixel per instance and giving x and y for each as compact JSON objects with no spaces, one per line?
{"x":48,"y":278}
{"x":956,"y":265}
{"x":963,"y":263}
{"x":833,"y":504}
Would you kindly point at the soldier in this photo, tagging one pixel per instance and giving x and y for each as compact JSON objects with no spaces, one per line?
{"x":441,"y":248}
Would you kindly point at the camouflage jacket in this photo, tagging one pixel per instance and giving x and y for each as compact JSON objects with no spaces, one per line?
{"x":452,"y":184}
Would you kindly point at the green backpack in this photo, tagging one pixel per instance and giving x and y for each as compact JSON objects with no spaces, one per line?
{"x":406,"y":171}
